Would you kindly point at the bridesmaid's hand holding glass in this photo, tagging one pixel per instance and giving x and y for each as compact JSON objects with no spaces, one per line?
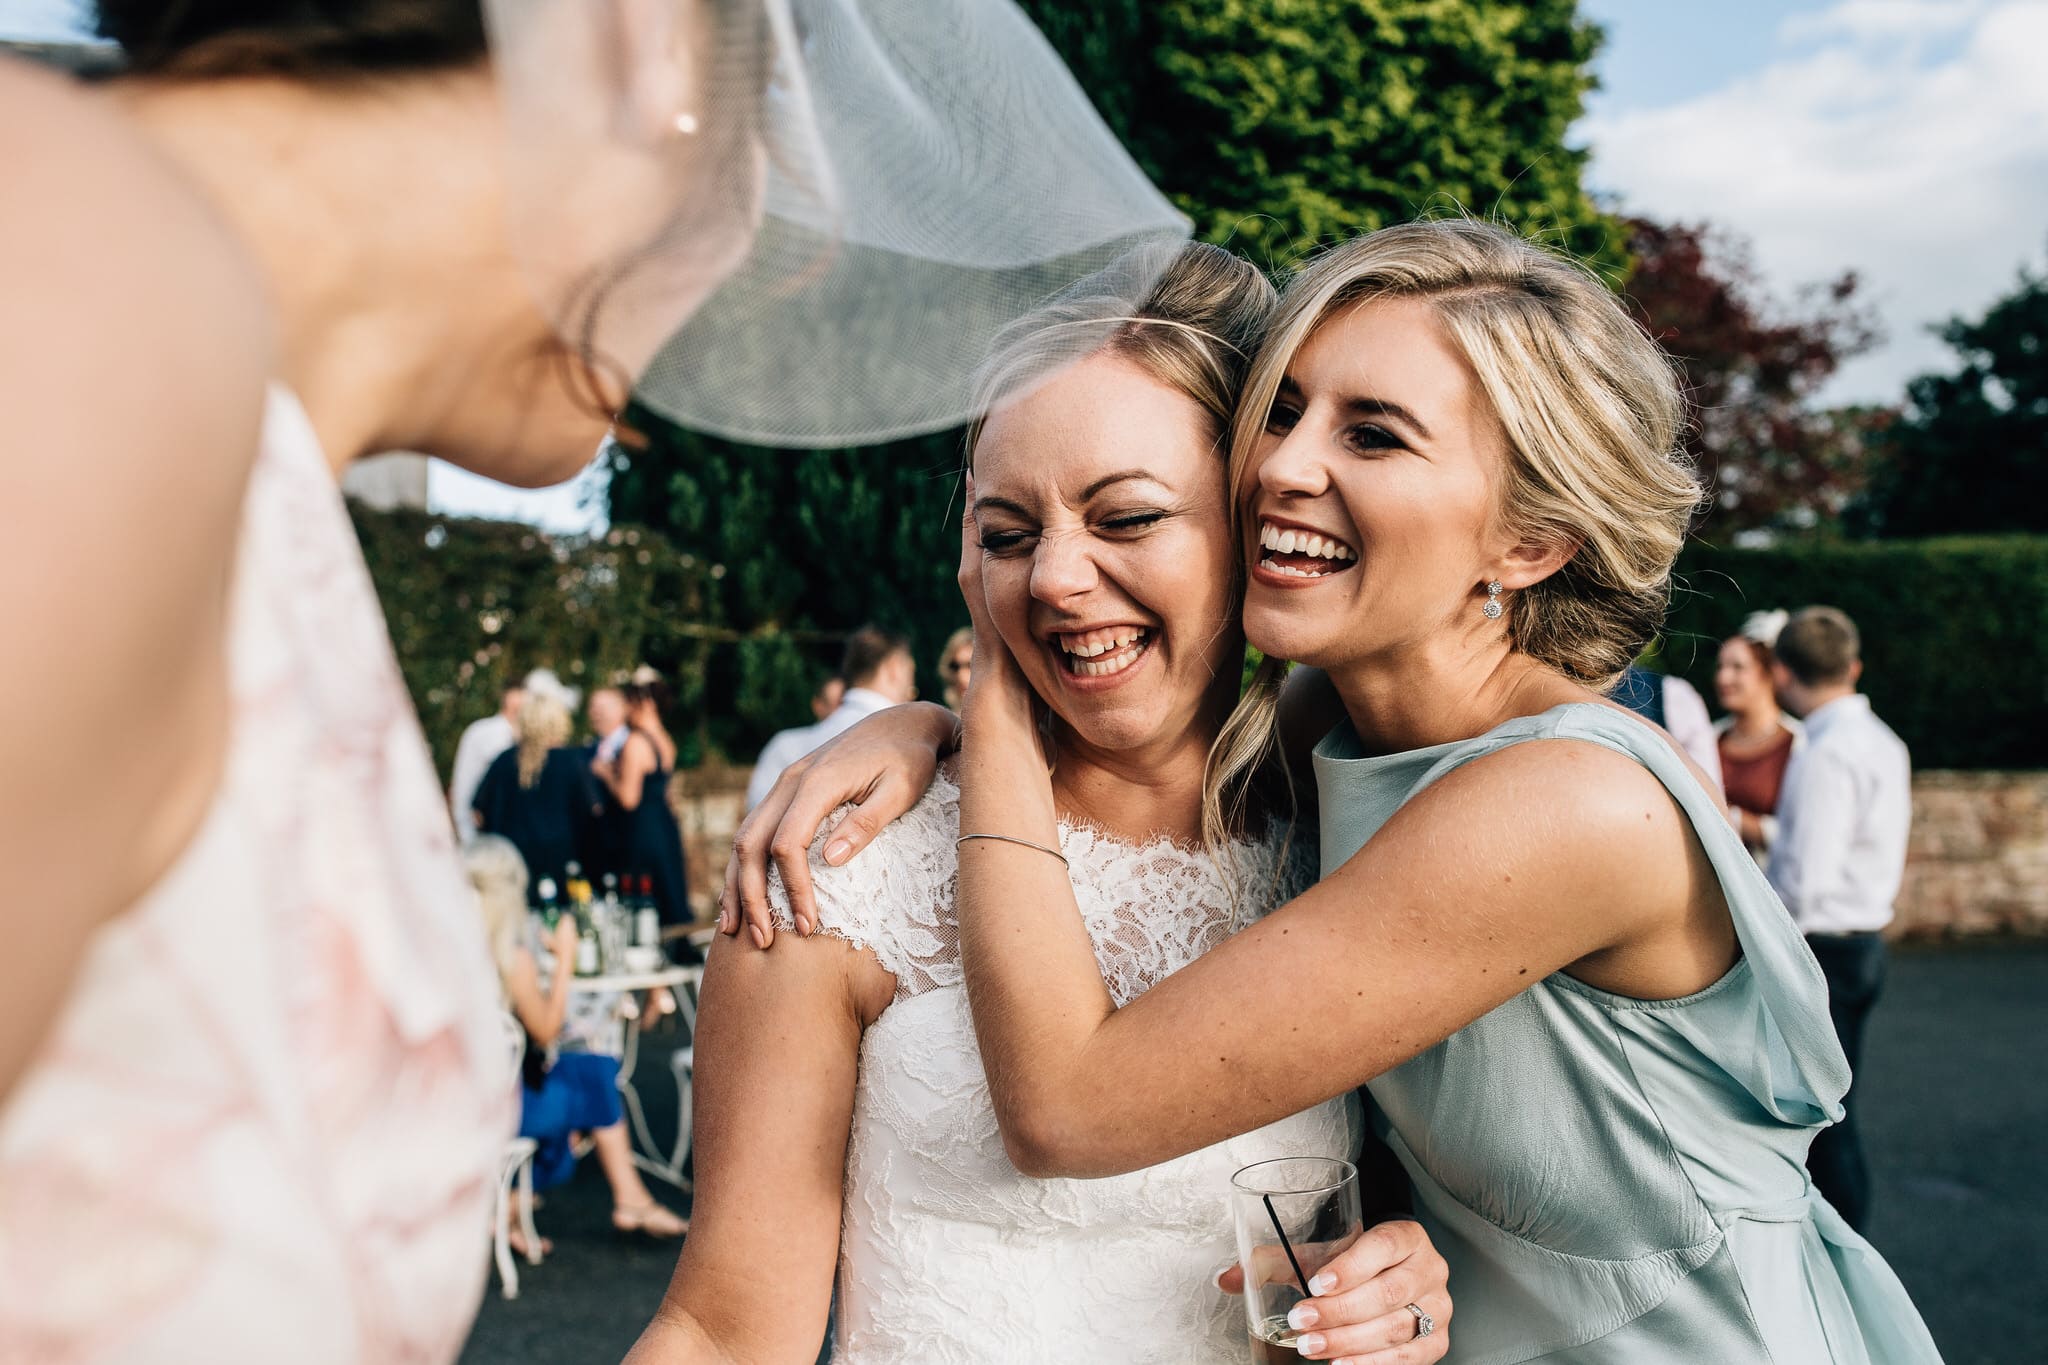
{"x":1360,"y":1314}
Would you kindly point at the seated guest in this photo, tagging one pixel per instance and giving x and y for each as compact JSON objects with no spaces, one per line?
{"x":575,"y":1092}
{"x":880,"y":672}
{"x":540,"y":795}
{"x":1756,"y":738}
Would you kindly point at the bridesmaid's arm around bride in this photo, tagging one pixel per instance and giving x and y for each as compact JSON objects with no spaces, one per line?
{"x":777,"y":1043}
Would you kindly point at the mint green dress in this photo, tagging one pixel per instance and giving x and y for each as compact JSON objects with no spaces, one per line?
{"x":1619,"y":1181}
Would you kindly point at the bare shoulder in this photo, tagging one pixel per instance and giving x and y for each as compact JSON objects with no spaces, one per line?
{"x":1570,"y":820}
{"x":797,"y":978}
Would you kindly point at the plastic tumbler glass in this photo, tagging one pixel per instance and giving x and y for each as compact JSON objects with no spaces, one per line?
{"x":1294,"y":1214}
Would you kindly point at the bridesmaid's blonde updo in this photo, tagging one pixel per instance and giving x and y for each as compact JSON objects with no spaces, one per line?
{"x":1589,"y":404}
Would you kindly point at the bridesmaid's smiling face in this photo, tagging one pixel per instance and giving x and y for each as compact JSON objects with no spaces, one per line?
{"x":1370,"y":501}
{"x":1106,"y":554}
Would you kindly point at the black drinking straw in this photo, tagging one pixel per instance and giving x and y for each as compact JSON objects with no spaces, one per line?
{"x":1287,"y":1247}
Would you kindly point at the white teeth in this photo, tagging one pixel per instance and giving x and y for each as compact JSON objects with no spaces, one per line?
{"x":1086,"y":661}
{"x":1289,"y":571}
{"x":1302,"y":542}
{"x":1114,"y":642}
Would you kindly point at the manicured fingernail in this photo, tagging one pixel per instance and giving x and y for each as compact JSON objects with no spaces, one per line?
{"x":1216,"y":1276}
{"x":836,"y":851}
{"x":1309,"y":1343}
{"x":1301,"y":1317}
{"x":1323,"y":1283}
{"x":724,"y":922}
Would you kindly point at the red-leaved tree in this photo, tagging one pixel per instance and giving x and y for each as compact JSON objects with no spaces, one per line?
{"x":1772,"y":458}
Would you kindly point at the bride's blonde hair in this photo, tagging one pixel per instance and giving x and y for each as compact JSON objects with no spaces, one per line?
{"x":1591,"y":410}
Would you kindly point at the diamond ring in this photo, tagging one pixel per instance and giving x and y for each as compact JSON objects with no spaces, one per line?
{"x":1424,"y":1323}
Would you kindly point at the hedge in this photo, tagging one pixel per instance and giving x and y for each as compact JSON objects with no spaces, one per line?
{"x":472,"y":603}
{"x":1955,"y":632}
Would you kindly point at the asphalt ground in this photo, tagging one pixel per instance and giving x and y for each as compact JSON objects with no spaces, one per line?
{"x":1954,"y":1097}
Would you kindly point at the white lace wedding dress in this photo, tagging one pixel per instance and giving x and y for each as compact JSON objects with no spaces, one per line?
{"x":947,"y":1253}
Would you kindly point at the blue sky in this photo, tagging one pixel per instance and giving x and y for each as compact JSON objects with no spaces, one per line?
{"x":1904,"y":139}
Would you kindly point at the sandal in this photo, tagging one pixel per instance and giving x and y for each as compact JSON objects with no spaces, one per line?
{"x":651,"y":1219}
{"x":515,"y":1238}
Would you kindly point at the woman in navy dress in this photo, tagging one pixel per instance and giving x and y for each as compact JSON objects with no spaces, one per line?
{"x":540,"y":796}
{"x":638,"y":782}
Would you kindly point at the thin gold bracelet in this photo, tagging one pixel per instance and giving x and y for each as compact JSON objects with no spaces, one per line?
{"x":1010,"y":840}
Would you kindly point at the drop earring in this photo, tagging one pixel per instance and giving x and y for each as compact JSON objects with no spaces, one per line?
{"x":1491,"y":611}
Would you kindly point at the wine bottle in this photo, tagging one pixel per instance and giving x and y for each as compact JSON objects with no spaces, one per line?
{"x":646,"y":919}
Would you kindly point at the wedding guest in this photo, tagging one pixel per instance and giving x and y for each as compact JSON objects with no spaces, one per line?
{"x":539,"y":794}
{"x":561,"y":1093}
{"x":831,"y":691}
{"x":880,"y":671}
{"x":606,"y":711}
{"x":637,"y":782}
{"x":1843,"y":819}
{"x":482,"y":741}
{"x":1756,"y":737}
{"x":956,"y":663}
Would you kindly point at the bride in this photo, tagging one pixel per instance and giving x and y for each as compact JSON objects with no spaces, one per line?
{"x":843,"y":1109}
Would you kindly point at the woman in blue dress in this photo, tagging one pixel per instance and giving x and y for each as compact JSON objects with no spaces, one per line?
{"x":1592,"y":1035}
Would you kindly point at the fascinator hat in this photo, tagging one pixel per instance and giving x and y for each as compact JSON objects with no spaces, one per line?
{"x":1763,"y":626}
{"x":805,"y":222}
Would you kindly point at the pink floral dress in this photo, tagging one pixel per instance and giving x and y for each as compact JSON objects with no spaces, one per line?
{"x":266,"y":1126}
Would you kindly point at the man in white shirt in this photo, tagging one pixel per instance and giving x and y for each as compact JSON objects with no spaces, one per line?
{"x":880,"y":672}
{"x":1843,"y":816}
{"x":481,"y":742}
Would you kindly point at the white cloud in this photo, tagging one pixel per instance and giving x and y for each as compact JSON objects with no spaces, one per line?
{"x":1888,"y":21}
{"x":1927,"y":174}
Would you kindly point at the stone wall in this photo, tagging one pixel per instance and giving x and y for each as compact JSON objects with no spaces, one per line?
{"x":1978,"y":862}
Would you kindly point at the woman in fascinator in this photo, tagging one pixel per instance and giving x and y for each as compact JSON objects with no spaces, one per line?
{"x":252,"y":1089}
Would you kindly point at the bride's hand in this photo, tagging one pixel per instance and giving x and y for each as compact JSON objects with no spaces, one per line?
{"x":1000,"y":704}
{"x":882,"y":766}
{"x":1360,"y":1314}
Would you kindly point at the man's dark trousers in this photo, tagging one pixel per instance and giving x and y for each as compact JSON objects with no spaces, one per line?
{"x":1854,"y":967}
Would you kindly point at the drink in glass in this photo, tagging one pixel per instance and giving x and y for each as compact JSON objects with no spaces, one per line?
{"x":1293,"y":1216}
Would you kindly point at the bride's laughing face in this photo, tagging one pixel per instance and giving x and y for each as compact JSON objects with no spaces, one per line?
{"x":1106,"y":554}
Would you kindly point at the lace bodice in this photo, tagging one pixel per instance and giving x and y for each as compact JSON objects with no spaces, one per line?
{"x":947,"y":1252}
